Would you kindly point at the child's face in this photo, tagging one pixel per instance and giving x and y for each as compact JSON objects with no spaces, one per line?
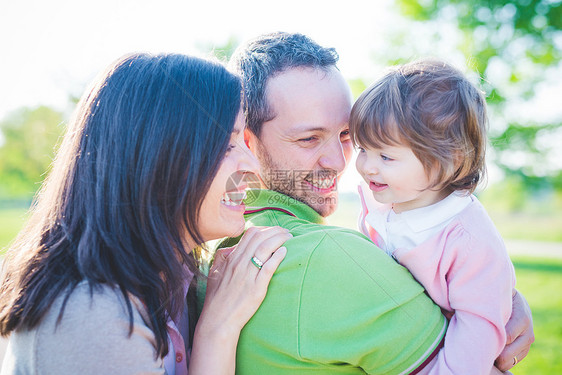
{"x":396,"y":176}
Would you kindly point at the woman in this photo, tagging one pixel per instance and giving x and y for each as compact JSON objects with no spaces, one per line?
{"x":101,"y":279}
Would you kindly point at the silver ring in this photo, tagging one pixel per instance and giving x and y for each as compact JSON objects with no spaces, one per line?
{"x":256,"y":262}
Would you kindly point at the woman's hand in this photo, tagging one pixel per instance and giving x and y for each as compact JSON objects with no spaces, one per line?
{"x":236,"y":288}
{"x":520,"y":334}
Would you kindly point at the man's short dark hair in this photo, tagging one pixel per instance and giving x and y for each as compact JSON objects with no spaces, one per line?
{"x":264,"y":57}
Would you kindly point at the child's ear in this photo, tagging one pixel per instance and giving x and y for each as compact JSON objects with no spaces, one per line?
{"x":458,"y":161}
{"x":458,"y":166}
{"x":435,"y":176}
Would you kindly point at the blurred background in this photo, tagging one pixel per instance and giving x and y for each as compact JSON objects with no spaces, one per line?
{"x":512,"y":50}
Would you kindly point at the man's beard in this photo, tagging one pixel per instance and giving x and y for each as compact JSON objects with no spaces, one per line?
{"x":272,"y":173}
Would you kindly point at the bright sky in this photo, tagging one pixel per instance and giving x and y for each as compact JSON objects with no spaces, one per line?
{"x":52,"y":49}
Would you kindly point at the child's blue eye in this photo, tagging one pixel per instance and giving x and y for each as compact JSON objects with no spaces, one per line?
{"x":361,"y":149}
{"x":385,"y":158}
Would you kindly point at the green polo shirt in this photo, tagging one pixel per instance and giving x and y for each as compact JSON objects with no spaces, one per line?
{"x":336,"y":305}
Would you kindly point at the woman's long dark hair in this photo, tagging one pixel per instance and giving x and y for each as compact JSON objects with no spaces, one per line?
{"x":124,"y":193}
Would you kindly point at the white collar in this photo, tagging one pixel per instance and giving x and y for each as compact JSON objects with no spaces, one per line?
{"x":424,"y":218}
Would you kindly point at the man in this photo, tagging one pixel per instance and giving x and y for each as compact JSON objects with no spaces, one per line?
{"x":337,"y":304}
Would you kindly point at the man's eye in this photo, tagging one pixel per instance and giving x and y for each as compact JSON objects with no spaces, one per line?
{"x":308,"y":139}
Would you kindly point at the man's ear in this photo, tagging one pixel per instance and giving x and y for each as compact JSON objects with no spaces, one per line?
{"x":249,"y":139}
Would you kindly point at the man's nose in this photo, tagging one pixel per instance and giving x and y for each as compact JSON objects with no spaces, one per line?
{"x":333,"y":156}
{"x":249,"y":162}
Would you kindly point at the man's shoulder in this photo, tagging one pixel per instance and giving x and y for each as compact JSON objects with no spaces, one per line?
{"x":332,"y":239}
{"x":326,"y":250}
{"x":305,"y":228}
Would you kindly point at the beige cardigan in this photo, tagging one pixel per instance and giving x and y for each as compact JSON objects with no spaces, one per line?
{"x":92,"y":338}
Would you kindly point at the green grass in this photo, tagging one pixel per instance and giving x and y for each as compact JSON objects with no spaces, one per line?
{"x":11,"y":221}
{"x":539,"y":280}
{"x":529,"y":226}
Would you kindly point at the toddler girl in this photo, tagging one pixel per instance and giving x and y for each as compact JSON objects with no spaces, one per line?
{"x":421,"y":131}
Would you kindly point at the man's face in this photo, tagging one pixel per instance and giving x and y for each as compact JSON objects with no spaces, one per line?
{"x":306,"y":146}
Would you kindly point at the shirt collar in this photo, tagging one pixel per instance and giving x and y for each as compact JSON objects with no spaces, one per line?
{"x":424,"y":218}
{"x":187,"y":280}
{"x":260,"y":199}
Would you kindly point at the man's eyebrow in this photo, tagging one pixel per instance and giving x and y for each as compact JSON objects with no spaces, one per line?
{"x":304,"y":129}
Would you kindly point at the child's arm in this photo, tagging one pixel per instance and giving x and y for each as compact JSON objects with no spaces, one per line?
{"x":472,"y":276}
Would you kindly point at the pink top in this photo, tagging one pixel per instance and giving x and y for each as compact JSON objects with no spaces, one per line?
{"x":466,"y":270}
{"x":176,"y":361}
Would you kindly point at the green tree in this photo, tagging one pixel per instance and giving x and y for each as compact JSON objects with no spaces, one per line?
{"x":221,"y":51}
{"x":514,"y":47}
{"x":29,"y":139}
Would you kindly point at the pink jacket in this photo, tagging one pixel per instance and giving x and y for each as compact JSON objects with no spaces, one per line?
{"x":465,"y":269}
{"x":176,"y":362}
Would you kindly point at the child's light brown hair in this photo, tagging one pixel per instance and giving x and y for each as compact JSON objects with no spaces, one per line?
{"x":431,"y":107}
